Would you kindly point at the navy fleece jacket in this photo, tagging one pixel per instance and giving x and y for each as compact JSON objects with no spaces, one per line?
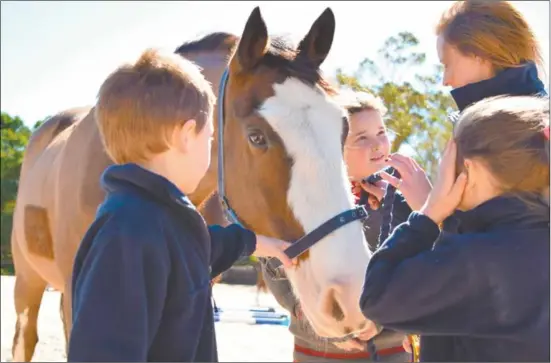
{"x":521,"y":81}
{"x":481,"y":296}
{"x":141,"y":280}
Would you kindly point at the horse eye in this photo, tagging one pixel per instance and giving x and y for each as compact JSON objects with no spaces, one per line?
{"x":257,"y":139}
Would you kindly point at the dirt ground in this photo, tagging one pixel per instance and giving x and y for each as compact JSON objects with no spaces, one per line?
{"x":237,"y":342}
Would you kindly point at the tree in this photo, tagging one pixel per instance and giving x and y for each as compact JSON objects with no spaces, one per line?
{"x":417,"y":110}
{"x":14,"y":137}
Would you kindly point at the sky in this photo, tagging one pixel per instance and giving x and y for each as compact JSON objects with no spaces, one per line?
{"x":55,"y":55}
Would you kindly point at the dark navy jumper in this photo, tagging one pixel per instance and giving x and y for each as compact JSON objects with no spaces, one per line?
{"x":141,"y":280}
{"x":482,"y":295}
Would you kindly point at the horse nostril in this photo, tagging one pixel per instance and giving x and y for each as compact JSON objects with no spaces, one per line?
{"x":336,"y":310}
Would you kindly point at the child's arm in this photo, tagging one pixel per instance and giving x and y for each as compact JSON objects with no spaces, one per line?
{"x":400,"y":210}
{"x":228,"y":244}
{"x":412,"y":288}
{"x":119,"y":293}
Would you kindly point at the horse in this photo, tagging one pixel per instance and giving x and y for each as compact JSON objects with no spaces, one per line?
{"x":283,"y":134}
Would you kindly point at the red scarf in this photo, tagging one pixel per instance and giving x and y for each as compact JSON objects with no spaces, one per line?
{"x":357,"y":195}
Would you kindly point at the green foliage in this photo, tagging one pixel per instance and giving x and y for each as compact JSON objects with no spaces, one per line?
{"x":14,"y":137}
{"x":417,"y":110}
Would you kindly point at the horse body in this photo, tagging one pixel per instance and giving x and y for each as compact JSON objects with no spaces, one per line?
{"x":58,"y":193}
{"x":283,"y":188}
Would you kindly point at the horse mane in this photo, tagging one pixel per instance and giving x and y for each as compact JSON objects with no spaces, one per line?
{"x":213,"y":42}
{"x":281,"y":54}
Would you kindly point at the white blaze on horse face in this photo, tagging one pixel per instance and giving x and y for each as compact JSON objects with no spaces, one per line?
{"x":310,"y":125}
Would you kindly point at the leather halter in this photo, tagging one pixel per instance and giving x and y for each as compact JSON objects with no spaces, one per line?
{"x":307,"y":241}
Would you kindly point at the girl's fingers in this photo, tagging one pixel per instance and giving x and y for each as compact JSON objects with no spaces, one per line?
{"x":459,"y":187}
{"x":406,"y":161}
{"x":443,"y":168}
{"x":403,"y":168}
{"x":374,"y":190}
{"x":395,"y":182}
{"x":374,"y":203}
{"x":406,"y":344}
{"x":448,"y":163}
{"x":416,"y":163}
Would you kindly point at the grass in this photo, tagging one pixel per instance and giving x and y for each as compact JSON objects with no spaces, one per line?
{"x":7,"y":270}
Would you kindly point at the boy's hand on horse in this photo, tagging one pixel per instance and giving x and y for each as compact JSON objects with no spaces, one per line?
{"x":273,"y":247}
{"x":414,"y":185}
{"x":448,"y":189}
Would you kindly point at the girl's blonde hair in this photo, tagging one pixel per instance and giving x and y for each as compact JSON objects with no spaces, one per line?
{"x":492,"y":30}
{"x":507,"y":134}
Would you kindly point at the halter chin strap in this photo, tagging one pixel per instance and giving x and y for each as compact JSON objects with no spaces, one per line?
{"x":304,"y":243}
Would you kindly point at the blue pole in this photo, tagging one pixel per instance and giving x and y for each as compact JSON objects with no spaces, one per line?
{"x":252,"y":319}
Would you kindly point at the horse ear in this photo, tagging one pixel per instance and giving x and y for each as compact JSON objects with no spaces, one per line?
{"x":317,"y":43}
{"x":253,"y":43}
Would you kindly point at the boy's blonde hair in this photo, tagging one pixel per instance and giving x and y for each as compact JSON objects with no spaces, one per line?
{"x":140,"y":104}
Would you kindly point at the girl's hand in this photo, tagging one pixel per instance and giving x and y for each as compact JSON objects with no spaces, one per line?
{"x":414,"y":185}
{"x":407,"y":345}
{"x":376,"y":192}
{"x":448,"y":190}
{"x":350,"y":344}
{"x":273,"y":247}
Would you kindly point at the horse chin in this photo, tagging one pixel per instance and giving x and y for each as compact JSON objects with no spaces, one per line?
{"x":308,"y":292}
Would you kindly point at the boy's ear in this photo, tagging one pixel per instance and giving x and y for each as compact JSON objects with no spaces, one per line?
{"x":183,"y":135}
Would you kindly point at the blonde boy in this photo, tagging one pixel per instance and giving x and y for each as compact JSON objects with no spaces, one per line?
{"x":141,"y":281}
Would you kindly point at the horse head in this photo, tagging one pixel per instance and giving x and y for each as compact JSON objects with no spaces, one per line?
{"x":283,"y":134}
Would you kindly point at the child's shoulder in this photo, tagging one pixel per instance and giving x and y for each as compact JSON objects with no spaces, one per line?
{"x":128,"y":217}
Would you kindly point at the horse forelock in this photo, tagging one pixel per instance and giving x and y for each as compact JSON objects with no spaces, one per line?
{"x":283,"y":56}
